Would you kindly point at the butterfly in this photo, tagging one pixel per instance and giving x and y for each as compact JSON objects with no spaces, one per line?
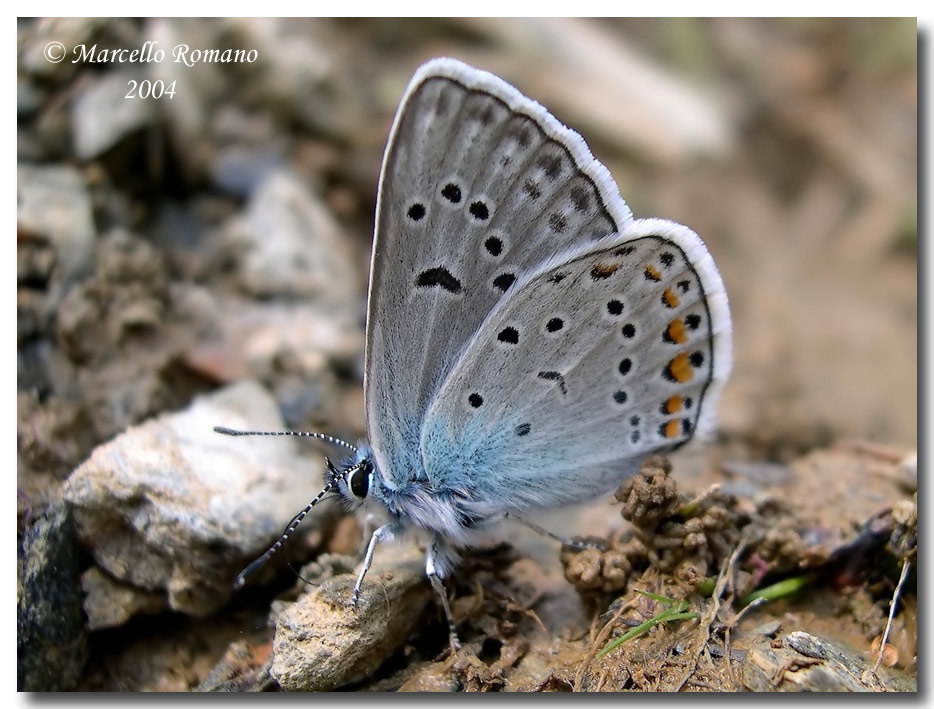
{"x":529,"y":343}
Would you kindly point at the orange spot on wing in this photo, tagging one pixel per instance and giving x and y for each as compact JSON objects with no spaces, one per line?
{"x":680,"y":368}
{"x":671,"y":428}
{"x":670,"y":298}
{"x":603,"y":270}
{"x":676,"y":332}
{"x":652,"y":273}
{"x":674,"y":404}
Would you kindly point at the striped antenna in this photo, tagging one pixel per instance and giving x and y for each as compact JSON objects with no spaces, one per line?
{"x":306,"y":434}
{"x":255,"y":566}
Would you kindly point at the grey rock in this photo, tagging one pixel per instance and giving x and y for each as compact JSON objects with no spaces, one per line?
{"x":291,"y":245}
{"x":171,"y":506}
{"x":54,"y":207}
{"x":239,"y":169}
{"x":322,"y":643}
{"x":807,"y":645}
{"x":807,"y":663}
{"x":51,"y":640}
{"x":109,"y":603}
{"x":908,"y":467}
{"x":102,"y":115}
{"x":250,"y":146}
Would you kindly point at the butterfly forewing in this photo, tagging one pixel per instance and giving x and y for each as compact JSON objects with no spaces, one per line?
{"x":480,"y":188}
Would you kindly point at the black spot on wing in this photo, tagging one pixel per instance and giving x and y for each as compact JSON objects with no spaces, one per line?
{"x":580,"y":199}
{"x":555,"y":377}
{"x":532,"y":189}
{"x":451,"y":192}
{"x":508,"y":335}
{"x":551,"y":165}
{"x":558,"y":223}
{"x":440,"y":277}
{"x":504,"y":281}
{"x":479,"y":211}
{"x":557,"y":277}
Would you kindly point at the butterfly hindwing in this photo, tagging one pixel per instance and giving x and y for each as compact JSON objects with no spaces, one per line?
{"x":608,"y":354}
{"x":480,"y":187}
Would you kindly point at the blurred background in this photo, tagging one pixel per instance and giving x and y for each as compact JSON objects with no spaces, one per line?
{"x":167,"y":246}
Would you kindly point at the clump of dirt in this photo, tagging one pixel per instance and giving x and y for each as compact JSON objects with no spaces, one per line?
{"x":686,"y":539}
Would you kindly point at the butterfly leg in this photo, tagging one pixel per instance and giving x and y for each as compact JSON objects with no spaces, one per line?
{"x":573,"y":543}
{"x":431,"y":570}
{"x":368,"y":528}
{"x":382,"y":534}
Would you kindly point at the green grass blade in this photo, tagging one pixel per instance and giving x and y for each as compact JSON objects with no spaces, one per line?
{"x":782,"y":589}
{"x":678,"y":612}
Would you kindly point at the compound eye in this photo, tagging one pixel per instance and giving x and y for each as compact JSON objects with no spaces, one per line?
{"x":360,"y":482}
